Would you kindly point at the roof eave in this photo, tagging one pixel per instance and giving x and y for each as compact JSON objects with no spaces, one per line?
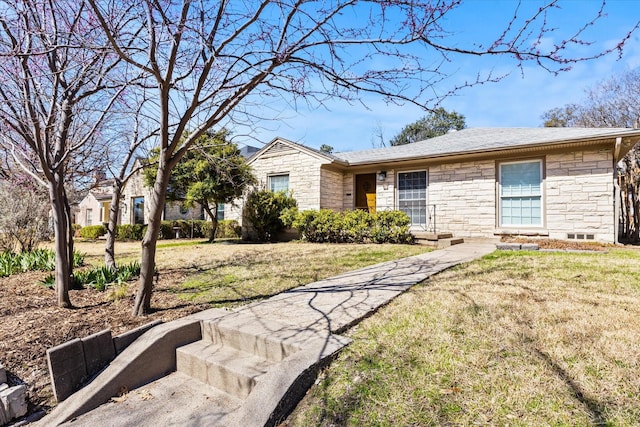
{"x":628,"y":143}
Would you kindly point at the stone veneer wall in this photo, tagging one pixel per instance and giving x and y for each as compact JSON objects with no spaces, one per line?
{"x":331,"y":186}
{"x":349,"y":191}
{"x":465,"y":197}
{"x":386,"y":192}
{"x":135,"y":188}
{"x":579,"y":192}
{"x":303,"y":170}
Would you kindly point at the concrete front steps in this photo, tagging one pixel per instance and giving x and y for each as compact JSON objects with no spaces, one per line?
{"x":232,"y":359}
{"x":261,"y":362}
{"x":436,"y":240}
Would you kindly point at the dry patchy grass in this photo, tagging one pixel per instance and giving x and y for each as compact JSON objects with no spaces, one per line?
{"x":517,"y":338}
{"x":31,"y":322}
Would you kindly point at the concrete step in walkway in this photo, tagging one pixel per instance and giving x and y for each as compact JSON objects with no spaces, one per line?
{"x":437,"y":240}
{"x":247,"y":367}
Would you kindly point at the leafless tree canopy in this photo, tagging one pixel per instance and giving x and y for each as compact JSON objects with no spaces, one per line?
{"x":216,"y":63}
{"x":55,"y":95}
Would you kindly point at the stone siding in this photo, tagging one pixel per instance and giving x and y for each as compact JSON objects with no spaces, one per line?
{"x":465,"y":197}
{"x":579,"y":194}
{"x":135,"y":188}
{"x":349,"y":190}
{"x":331,"y":190}
{"x":303,"y":170}
{"x":386,"y":192}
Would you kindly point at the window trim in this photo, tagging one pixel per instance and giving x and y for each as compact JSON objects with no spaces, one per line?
{"x":541,"y":164}
{"x":426,"y":194}
{"x":277,"y":175}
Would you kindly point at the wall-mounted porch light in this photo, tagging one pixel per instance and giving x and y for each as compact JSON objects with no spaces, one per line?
{"x":382,"y":175}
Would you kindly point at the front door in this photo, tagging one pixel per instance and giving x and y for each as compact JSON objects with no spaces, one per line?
{"x":366,"y":192}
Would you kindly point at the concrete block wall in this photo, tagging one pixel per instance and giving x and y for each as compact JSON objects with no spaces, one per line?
{"x":579,"y":193}
{"x":73,"y":362}
{"x":465,"y":197}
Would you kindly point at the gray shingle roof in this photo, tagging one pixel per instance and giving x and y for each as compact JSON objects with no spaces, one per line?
{"x":482,"y":140}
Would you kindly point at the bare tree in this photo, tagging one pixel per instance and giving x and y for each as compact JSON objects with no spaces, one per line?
{"x":24,"y":213}
{"x":54,"y":97}
{"x":214,"y":63}
{"x":612,"y":103}
{"x":129,"y":144}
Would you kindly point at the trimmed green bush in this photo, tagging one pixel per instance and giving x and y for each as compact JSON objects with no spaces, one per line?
{"x":226,"y":229}
{"x":93,"y":231}
{"x":263,"y":210}
{"x":130,"y":231}
{"x":357,"y":226}
{"x":76,"y":229}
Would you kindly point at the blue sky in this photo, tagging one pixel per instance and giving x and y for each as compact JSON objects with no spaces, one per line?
{"x":519,"y":100}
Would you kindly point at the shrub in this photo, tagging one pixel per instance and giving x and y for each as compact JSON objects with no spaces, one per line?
{"x":391,"y":227}
{"x":76,"y":229}
{"x":227,"y":229}
{"x":263,"y":210}
{"x":357,"y":226}
{"x":93,"y":231}
{"x":130,"y":231}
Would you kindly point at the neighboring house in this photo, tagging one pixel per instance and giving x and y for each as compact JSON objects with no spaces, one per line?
{"x":94,"y":208}
{"x":551,"y":182}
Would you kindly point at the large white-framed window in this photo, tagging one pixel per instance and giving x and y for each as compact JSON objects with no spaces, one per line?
{"x":412,"y":196}
{"x":89,"y":217}
{"x":520,"y":193}
{"x":279,"y":182}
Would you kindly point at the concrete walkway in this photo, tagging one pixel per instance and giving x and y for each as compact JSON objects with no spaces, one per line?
{"x":301,"y":325}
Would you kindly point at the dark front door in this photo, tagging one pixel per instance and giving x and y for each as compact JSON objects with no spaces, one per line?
{"x":366,"y":192}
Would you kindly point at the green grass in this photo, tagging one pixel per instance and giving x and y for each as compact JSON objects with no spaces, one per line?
{"x":516,"y":338}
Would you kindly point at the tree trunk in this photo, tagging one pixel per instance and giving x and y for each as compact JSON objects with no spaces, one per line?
{"x":114,"y":211}
{"x":142,"y":303}
{"x":63,"y":244}
{"x":213,"y":216}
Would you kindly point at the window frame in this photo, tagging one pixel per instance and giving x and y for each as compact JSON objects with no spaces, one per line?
{"x":278,"y":175}
{"x":426,"y":195}
{"x":541,"y":194}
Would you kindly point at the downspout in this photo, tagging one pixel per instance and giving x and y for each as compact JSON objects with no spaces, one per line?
{"x":617,"y":200}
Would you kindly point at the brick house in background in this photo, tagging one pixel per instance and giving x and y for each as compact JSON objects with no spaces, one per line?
{"x":548,"y":182}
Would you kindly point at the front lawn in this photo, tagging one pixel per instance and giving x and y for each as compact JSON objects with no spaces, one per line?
{"x":517,"y":338}
{"x":192,"y":276}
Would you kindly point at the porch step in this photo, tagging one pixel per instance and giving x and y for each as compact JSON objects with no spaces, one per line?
{"x":425,"y":235}
{"x":227,"y":369}
{"x":437,"y":240}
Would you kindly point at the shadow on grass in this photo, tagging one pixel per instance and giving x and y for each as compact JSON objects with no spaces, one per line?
{"x":593,"y":406}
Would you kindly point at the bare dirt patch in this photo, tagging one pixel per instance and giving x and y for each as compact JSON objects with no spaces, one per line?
{"x":32,"y":323}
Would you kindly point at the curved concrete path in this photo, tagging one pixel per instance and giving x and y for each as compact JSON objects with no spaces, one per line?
{"x":305,"y":318}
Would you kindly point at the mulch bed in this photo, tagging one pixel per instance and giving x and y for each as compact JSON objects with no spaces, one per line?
{"x":32,"y":323}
